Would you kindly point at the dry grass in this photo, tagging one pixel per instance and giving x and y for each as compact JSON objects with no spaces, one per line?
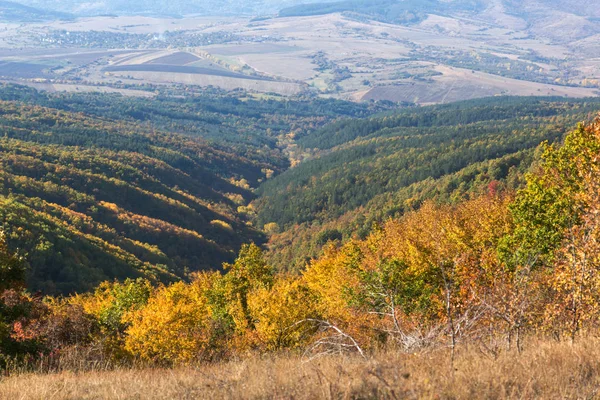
{"x":546,"y":370}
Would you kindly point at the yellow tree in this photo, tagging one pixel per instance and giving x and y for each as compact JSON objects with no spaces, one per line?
{"x":448,"y":260}
{"x":175,"y":325}
{"x":278,"y":313}
{"x":333,"y":278}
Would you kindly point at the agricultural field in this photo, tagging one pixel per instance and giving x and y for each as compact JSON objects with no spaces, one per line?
{"x":500,"y":48}
{"x":455,"y":84}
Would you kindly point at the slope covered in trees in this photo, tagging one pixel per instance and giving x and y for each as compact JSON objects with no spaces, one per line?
{"x":104,"y":186}
{"x":492,"y":271}
{"x":232,"y":118}
{"x":97,"y":187}
{"x":92,"y":199}
{"x":364,"y":171}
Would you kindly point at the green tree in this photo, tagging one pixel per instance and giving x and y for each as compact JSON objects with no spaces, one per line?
{"x":550,"y":202}
{"x":12,"y":267}
{"x":249,"y":272}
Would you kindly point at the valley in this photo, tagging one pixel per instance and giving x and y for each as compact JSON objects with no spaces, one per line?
{"x":286,"y":199}
{"x":104,"y":186}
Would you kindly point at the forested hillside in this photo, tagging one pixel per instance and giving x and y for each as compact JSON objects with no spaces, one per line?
{"x":364,"y":171}
{"x":92,"y":199}
{"x":503,"y":269}
{"x":98,"y":187}
{"x":247,"y":124}
{"x":105,"y":186}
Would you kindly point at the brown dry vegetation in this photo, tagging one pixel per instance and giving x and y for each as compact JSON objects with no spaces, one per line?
{"x":546,"y":369}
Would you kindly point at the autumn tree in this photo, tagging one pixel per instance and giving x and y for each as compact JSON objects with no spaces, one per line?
{"x":397,"y":293}
{"x":574,"y":284}
{"x":249,"y":272}
{"x":279,"y":313}
{"x":174,"y":327}
{"x":17,"y":308}
{"x":112,"y":301}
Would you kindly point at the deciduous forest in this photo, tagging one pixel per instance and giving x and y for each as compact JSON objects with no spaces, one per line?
{"x":171,"y":233}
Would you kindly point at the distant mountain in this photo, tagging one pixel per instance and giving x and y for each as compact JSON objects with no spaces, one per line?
{"x":393,"y":11}
{"x":167,"y":8}
{"x":576,"y":7}
{"x":550,"y":16}
{"x":561,"y":21}
{"x":558,"y":20}
{"x":15,"y":12}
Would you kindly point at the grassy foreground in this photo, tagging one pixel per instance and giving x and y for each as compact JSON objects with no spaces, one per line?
{"x":548,"y":370}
